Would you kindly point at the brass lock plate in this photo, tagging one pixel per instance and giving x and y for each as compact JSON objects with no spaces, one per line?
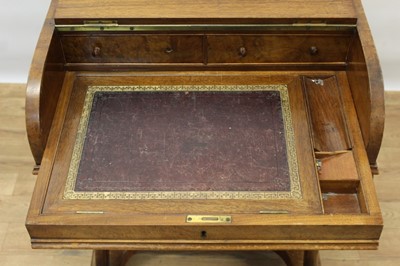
{"x":209,"y":219}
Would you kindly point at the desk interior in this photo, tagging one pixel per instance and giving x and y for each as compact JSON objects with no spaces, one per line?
{"x":241,"y":145}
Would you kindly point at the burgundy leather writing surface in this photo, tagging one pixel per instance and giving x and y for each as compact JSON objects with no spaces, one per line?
{"x":185,"y":141}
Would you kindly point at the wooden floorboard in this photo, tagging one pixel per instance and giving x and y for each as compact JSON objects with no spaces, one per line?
{"x":16,"y":185}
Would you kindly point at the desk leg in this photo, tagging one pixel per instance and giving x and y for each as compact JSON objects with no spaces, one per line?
{"x":100,"y":258}
{"x":290,"y":257}
{"x":111,"y":257}
{"x":311,"y":258}
{"x":300,"y":257}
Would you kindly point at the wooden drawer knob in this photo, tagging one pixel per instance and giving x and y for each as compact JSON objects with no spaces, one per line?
{"x":169,"y":50}
{"x":313,"y":50}
{"x":242,"y":51}
{"x":96,"y":51}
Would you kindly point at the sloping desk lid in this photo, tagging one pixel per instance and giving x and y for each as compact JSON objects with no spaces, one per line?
{"x":233,"y":147}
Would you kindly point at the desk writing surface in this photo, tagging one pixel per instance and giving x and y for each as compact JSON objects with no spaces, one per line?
{"x":179,"y":142}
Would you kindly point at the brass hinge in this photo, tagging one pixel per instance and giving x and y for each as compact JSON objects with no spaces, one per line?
{"x":89,"y":212}
{"x":90,"y":25}
{"x":107,"y":23}
{"x":273,"y":212}
{"x":111,"y":25}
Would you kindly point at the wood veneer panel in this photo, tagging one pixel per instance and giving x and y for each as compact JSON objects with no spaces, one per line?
{"x":327,"y":118}
{"x":247,"y":48}
{"x":128,"y":48}
{"x":338,"y":167}
{"x":359,"y":151}
{"x":366,"y":84}
{"x":309,"y":202}
{"x":203,"y":10}
{"x":133,"y":225}
{"x":14,"y":234}
{"x":341,"y":203}
{"x":44,"y":85}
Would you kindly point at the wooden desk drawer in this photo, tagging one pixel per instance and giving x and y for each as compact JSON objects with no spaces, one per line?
{"x":277,"y":48}
{"x":133,"y":48}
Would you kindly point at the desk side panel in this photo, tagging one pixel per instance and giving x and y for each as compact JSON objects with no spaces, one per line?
{"x":43,"y":87}
{"x":366,"y":83}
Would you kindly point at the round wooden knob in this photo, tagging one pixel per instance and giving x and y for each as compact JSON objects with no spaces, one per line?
{"x":96,"y":51}
{"x":242,"y":51}
{"x":313,"y":50}
{"x":169,"y":50}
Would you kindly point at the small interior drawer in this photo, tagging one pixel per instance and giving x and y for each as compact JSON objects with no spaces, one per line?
{"x":277,"y":48}
{"x":132,"y":48}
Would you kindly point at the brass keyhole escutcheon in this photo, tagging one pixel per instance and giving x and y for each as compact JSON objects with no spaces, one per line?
{"x":227,"y":219}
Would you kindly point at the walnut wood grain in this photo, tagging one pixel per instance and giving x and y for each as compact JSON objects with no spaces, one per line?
{"x":370,"y":106}
{"x":245,"y":245}
{"x":310,"y":201}
{"x":305,"y":231}
{"x":341,"y":203}
{"x":338,"y":174}
{"x":34,"y":85}
{"x":101,"y":258}
{"x":127,"y":48}
{"x":359,"y":152}
{"x":16,"y":167}
{"x":366,"y":83}
{"x":284,"y":48}
{"x":311,"y":258}
{"x":203,"y":11}
{"x":161,"y":48}
{"x":338,"y":167}
{"x":52,"y":221}
{"x":44,"y":84}
{"x":49,"y":153}
{"x":326,"y":114}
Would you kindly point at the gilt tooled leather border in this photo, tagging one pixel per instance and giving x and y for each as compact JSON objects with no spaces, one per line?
{"x":295,"y":188}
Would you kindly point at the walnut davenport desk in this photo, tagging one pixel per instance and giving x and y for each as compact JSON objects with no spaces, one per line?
{"x":205,"y":125}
